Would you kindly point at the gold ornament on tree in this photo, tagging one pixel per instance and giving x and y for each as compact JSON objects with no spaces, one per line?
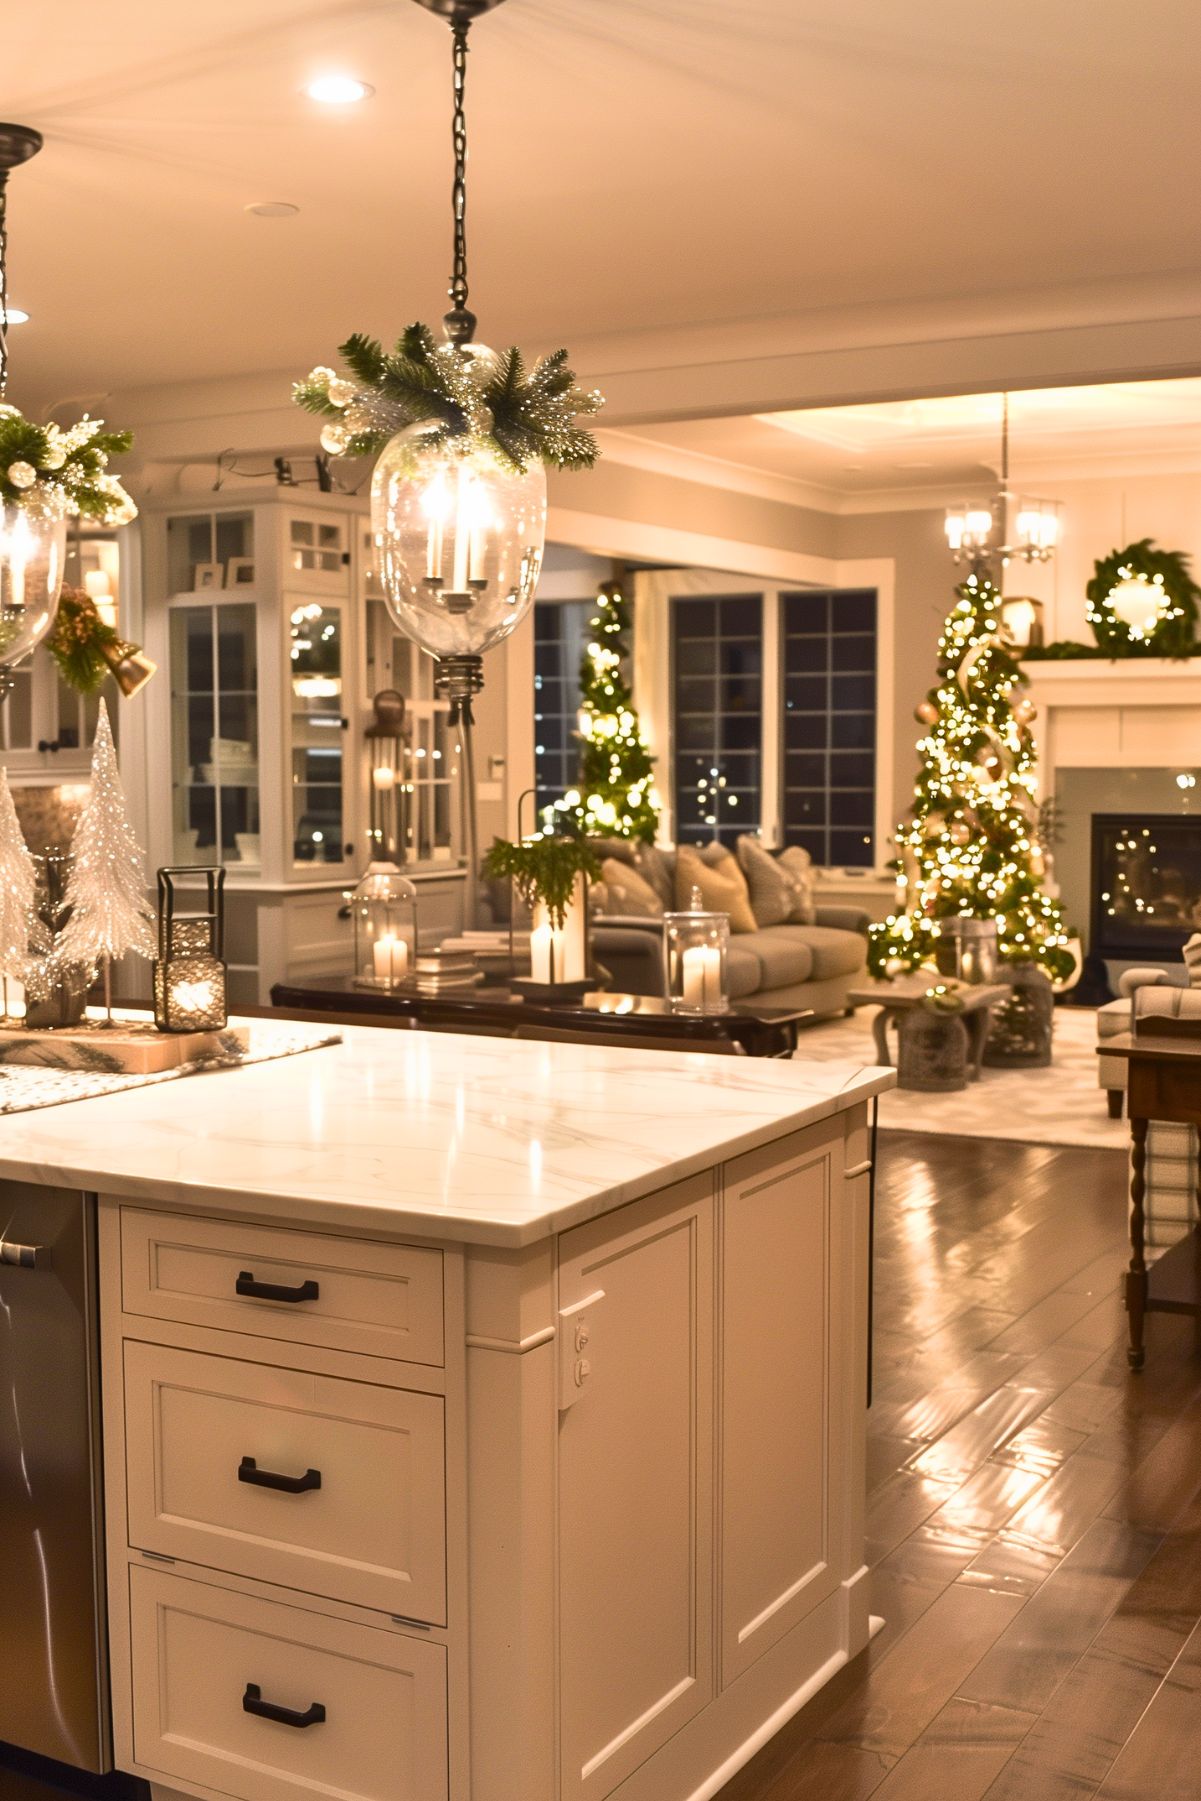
{"x":926,"y":713}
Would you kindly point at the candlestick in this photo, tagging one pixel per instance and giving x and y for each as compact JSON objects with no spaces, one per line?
{"x":702,"y":976}
{"x":383,"y":778}
{"x":546,"y":953}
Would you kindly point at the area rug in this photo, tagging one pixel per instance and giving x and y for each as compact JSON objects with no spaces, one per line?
{"x":1059,"y":1105}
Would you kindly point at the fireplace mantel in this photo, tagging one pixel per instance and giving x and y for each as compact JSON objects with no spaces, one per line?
{"x":1143,"y":713}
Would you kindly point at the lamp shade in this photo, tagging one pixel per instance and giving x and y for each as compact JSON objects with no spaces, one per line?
{"x":33,"y":542}
{"x":459,"y":536}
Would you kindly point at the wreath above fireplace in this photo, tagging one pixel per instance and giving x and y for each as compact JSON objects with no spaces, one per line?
{"x":1142,"y":601}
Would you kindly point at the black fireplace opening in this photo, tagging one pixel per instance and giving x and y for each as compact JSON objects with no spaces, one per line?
{"x":1146,"y":885}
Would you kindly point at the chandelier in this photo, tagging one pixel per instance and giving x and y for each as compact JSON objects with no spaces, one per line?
{"x":1035,"y":523}
{"x":463,"y":436}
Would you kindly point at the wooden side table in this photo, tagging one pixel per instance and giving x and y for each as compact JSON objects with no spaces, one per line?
{"x":894,"y":999}
{"x":1163,"y":1082}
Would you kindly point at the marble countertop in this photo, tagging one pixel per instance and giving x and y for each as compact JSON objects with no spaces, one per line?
{"x":479,"y":1140}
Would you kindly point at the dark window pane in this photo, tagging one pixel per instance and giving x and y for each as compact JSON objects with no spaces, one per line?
{"x":853,"y":650}
{"x":852,"y":731}
{"x":851,"y":849}
{"x":806,"y":731}
{"x":851,"y":806}
{"x":695,"y":619}
{"x":812,"y":841}
{"x":696,"y":694}
{"x":696,"y":656}
{"x":806,"y":693}
{"x":694,"y":731}
{"x":855,"y":612}
{"x":806,"y":613}
{"x":740,"y":657}
{"x":853,"y":691}
{"x":741,"y":617}
{"x":807,"y":807}
{"x":805,"y":769}
{"x":740,"y":731}
{"x":852,"y":769}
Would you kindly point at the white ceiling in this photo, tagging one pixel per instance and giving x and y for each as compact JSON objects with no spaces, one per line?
{"x":849,"y":457}
{"x":638,"y":165}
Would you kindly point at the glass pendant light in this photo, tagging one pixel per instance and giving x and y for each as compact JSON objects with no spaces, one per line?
{"x":33,"y":535}
{"x":458,"y":532}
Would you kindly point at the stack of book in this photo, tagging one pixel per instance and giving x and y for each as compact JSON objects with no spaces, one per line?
{"x":446,"y":972}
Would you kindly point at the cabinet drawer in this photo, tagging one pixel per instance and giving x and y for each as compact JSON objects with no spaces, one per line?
{"x":345,"y":1496}
{"x":199,"y":1653}
{"x":383,"y":1300}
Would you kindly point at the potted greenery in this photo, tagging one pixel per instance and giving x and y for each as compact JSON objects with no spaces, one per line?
{"x":551,"y":875}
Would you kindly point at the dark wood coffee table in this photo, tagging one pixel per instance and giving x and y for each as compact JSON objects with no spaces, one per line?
{"x":636,"y":1019}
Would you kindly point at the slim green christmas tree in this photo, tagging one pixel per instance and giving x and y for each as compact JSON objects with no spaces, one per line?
{"x":971,"y":846}
{"x":616,"y":794}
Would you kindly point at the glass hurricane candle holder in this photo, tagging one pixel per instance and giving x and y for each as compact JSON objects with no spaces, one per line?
{"x":33,"y":543}
{"x":559,"y":953}
{"x":383,"y":908}
{"x":458,"y":538}
{"x":189,"y":971}
{"x":967,"y":948}
{"x":695,"y":946}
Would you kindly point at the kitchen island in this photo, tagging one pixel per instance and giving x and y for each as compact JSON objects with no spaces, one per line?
{"x":483,"y":1420}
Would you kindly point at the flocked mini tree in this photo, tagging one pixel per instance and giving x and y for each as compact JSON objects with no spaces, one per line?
{"x":22,"y":935}
{"x":616,"y":794}
{"x":106,"y":890}
{"x":970,"y":847}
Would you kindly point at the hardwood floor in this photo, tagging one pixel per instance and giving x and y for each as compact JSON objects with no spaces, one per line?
{"x":1035,"y":1510}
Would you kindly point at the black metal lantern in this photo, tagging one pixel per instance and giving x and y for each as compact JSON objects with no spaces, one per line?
{"x":189,"y":972}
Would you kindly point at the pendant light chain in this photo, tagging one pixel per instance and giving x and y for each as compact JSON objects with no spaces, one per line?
{"x":3,"y":282}
{"x":458,"y":281}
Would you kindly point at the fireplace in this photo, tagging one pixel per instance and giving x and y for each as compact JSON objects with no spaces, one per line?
{"x":1146,"y":884}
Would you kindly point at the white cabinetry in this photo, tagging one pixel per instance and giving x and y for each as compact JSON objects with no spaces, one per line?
{"x":576,"y":1521}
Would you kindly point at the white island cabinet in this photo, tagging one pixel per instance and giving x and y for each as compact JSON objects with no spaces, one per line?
{"x":484,"y":1421}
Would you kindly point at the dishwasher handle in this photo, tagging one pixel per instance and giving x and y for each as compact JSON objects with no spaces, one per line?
{"x":23,"y":1256}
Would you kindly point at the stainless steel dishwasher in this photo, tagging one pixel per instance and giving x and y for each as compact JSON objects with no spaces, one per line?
{"x":53,"y":1664}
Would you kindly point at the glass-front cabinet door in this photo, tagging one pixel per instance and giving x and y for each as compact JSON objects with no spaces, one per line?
{"x":316,"y":683}
{"x":215,"y":735}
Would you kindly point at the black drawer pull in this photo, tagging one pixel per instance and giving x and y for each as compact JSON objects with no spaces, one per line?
{"x":252,"y":1702}
{"x":249,"y":1471}
{"x":271,"y":1291}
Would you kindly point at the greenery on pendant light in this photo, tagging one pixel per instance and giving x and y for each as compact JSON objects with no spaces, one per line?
{"x":494,"y":402}
{"x":970,"y":848}
{"x":63,"y":472}
{"x":1170,"y":589}
{"x":543,"y":869}
{"x":78,"y":640}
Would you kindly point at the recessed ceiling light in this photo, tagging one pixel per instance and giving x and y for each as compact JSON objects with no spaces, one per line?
{"x":338,"y":90}
{"x":16,"y":316}
{"x":272,"y":209}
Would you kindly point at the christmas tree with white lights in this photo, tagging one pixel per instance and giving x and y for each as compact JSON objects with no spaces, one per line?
{"x":970,"y":848}
{"x":616,"y":795}
{"x":106,"y":890}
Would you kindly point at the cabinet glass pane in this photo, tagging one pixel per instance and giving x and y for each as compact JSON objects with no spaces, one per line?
{"x":201,"y":546}
{"x":316,"y":545}
{"x":214,"y":736}
{"x":16,"y":713}
{"x":317,"y":742}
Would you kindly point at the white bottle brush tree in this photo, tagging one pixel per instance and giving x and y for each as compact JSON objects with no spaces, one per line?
{"x":23,"y":938}
{"x":106,"y":890}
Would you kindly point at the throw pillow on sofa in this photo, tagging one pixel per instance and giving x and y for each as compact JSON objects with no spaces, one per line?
{"x":721,"y":882}
{"x":625,"y":892}
{"x":771,"y":887}
{"x":797,"y":865}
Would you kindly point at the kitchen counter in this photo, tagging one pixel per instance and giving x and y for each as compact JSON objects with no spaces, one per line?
{"x":474,"y":1140}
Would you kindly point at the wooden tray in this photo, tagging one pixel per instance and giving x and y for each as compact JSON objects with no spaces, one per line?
{"x":122,"y":1049}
